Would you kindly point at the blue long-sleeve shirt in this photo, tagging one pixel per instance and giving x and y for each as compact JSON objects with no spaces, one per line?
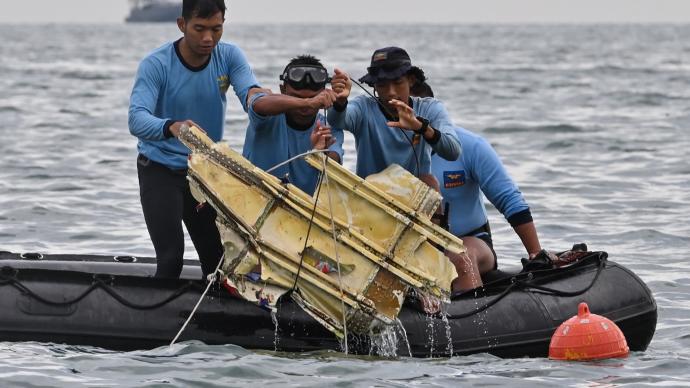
{"x":168,"y":89}
{"x":379,"y":146}
{"x":270,"y":140}
{"x":478,"y":170}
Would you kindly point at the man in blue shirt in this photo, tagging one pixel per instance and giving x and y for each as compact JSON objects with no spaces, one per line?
{"x":395,"y":127}
{"x":288,"y":124}
{"x":462,"y":182}
{"x":183,"y":82}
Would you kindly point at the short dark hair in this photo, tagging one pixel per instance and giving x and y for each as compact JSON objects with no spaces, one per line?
{"x":421,"y":89}
{"x":202,"y":8}
{"x":417,"y":73}
{"x":304,"y":59}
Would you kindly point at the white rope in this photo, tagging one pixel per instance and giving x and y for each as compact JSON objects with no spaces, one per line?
{"x":335,"y":248}
{"x":211,"y":279}
{"x":295,"y":157}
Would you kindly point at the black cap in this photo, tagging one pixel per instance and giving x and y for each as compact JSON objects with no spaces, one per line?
{"x":388,"y":63}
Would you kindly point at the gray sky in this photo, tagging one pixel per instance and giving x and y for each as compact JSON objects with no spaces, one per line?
{"x":367,"y":11}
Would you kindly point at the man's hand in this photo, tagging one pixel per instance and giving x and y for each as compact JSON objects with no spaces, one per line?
{"x":323,"y":100}
{"x":408,"y":120}
{"x":321,"y":137}
{"x":406,"y":116}
{"x":342,"y":85}
{"x":176,"y":126}
{"x":540,"y":261}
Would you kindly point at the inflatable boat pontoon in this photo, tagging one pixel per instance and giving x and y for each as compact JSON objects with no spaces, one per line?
{"x":114,"y":302}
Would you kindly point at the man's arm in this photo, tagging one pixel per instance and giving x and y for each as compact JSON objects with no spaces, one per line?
{"x":241,"y":76}
{"x":323,"y":137}
{"x":442,"y":139}
{"x":142,"y":121}
{"x":275,"y":104}
{"x":339,"y":115}
{"x":528,"y":235}
{"x":142,"y":103}
{"x":500,"y":189}
{"x":444,"y":143}
{"x":336,"y":151}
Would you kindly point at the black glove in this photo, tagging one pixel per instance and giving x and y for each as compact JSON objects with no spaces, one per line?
{"x":581,"y":247}
{"x":542,"y":260}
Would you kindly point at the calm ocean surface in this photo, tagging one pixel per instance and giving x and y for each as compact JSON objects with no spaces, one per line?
{"x":592,"y":121}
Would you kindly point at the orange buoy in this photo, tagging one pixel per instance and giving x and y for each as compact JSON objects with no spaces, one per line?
{"x":587,"y":336}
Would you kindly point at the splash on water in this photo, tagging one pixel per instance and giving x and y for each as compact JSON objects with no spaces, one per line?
{"x":385,"y":342}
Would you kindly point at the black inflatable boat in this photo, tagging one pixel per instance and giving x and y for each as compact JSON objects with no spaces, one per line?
{"x":113,"y":302}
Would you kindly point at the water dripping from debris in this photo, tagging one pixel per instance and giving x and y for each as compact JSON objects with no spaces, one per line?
{"x":403,"y":335}
{"x":276,"y":335}
{"x":449,"y":336}
{"x":344,"y":345}
{"x":430,"y":331}
{"x":384,"y":342}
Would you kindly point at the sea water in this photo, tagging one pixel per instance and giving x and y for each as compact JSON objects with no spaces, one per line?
{"x":592,"y":121}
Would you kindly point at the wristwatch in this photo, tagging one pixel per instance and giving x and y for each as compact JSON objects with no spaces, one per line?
{"x":425,"y":125}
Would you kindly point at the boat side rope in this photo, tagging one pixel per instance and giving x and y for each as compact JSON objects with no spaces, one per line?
{"x":98,"y":283}
{"x":517,"y":283}
{"x":212,"y":277}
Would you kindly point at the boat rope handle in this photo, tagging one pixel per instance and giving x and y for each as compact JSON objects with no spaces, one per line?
{"x":335,"y":248}
{"x":98,"y":283}
{"x":212,"y":277}
{"x":525,"y":285}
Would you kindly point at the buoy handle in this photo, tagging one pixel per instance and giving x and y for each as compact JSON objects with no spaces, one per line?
{"x":582,"y":310}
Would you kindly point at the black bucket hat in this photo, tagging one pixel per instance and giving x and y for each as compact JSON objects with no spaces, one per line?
{"x":388,"y":63}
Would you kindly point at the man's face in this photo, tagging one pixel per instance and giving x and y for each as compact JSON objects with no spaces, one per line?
{"x":202,"y":35}
{"x":302,"y":116}
{"x":398,"y":89}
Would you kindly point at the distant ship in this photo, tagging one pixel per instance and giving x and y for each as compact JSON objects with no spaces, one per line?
{"x":151,"y":11}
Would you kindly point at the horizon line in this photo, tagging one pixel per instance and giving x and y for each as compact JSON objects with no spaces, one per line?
{"x":358,"y":23}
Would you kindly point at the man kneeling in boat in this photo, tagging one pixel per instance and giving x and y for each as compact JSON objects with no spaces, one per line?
{"x":478,"y":170}
{"x":285,"y":125}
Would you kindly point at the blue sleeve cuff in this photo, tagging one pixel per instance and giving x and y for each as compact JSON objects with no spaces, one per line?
{"x":251,"y":111}
{"x":435,"y":138}
{"x":247,"y":103}
{"x":340,"y":107}
{"x":167,"y":133}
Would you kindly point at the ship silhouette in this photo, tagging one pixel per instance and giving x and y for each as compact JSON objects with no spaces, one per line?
{"x":154,"y":11}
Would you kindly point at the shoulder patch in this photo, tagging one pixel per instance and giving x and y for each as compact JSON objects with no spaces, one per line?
{"x":223,"y":83}
{"x":453,"y":178}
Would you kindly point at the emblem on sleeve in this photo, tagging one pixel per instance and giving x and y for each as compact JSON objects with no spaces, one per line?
{"x":223,"y":83}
